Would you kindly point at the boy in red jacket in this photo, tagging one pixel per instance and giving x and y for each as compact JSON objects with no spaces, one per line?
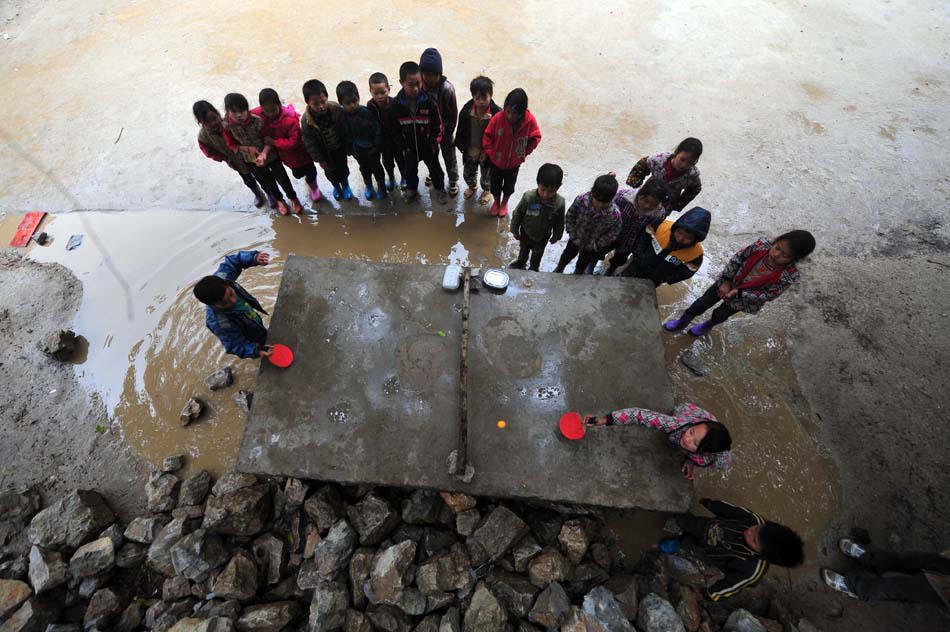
{"x":509,"y":138}
{"x":282,"y":128}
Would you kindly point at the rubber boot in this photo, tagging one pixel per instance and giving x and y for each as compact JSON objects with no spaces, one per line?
{"x":337,"y":192}
{"x":675,"y":324}
{"x":347,"y":191}
{"x":369,"y":193}
{"x":282,"y":207}
{"x":314,"y":190}
{"x":702,"y":329}
{"x":296,"y":207}
{"x":494,"y":209}
{"x":391,"y":184}
{"x":271,"y":201}
{"x":259,"y":198}
{"x":503,"y":208}
{"x":403,"y":185}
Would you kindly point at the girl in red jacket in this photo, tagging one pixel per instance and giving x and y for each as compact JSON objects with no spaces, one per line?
{"x":511,"y":135}
{"x":282,"y":127}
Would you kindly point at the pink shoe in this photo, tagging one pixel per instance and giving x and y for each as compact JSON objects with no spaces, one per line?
{"x":314,"y":190}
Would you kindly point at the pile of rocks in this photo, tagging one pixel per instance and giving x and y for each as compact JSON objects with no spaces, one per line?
{"x":260,"y":555}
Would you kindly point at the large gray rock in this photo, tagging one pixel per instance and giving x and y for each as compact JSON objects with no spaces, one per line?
{"x":445,"y":571}
{"x":191,"y":411}
{"x":624,"y":589}
{"x":423,"y":506}
{"x":71,"y":521}
{"x":197,"y":554}
{"x":35,"y":614}
{"x":514,"y":591}
{"x":175,"y":588}
{"x":271,"y":557}
{"x":548,"y":566}
{"x":601,"y":605}
{"x":242,"y":511}
{"x":114,"y":533}
{"x":92,"y":558}
{"x":450,"y":621}
{"x":389,"y":619}
{"x":551,"y":607}
{"x":356,"y":621}
{"x":19,"y":506}
{"x":214,"y":624}
{"x":295,"y":493}
{"x":361,"y":565}
{"x":161,"y":491}
{"x":324,"y":508}
{"x":159,"y":553}
{"x":47,"y":569}
{"x":233,"y":481}
{"x":485,"y":613}
{"x":390,"y":574}
{"x":467,"y":521}
{"x":104,"y":606}
{"x":373,"y":518}
{"x":657,"y":615}
{"x":173,"y":463}
{"x":584,"y":577}
{"x":429,"y":624}
{"x":496,"y":535}
{"x":222,"y":378}
{"x":743,"y":621}
{"x":131,"y":618}
{"x":59,"y":344}
{"x":328,"y":606}
{"x":145,"y":530}
{"x":238,"y":580}
{"x":412,"y":602}
{"x":573,"y":540}
{"x":131,"y":555}
{"x":435,"y":541}
{"x":269,"y":617}
{"x":161,"y":615}
{"x":334,"y":551}
{"x":13,"y":593}
{"x":194,"y":489}
{"x":684,"y":571}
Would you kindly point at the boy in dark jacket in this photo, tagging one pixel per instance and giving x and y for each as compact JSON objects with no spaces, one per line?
{"x":740,"y":543}
{"x":380,"y":105}
{"x":417,"y":128}
{"x":323,"y":137}
{"x":671,"y":251}
{"x":593,"y":223}
{"x":539,"y":217}
{"x":473,"y":119}
{"x":442,"y":93}
{"x":363,"y":138}
{"x":231,"y":313}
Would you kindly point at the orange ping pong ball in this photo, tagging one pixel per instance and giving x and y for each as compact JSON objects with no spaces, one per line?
{"x":502,"y":423}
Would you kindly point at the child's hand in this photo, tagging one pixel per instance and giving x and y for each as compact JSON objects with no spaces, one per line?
{"x":266,"y":351}
{"x":724,"y":289}
{"x":254,"y":151}
{"x":687,"y":470}
{"x":263,"y":259}
{"x":594,"y":420}
{"x":259,"y":161}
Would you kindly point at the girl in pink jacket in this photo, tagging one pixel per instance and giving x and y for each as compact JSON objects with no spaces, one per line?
{"x":282,"y":127}
{"x":510,"y":137}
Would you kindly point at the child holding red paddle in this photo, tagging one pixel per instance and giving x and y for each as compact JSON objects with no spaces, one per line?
{"x":754,"y":276}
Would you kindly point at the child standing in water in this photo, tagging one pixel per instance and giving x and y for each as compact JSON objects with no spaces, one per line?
{"x":380,"y":106}
{"x":755,"y":275}
{"x":212,"y":144}
{"x":473,"y":119}
{"x":510,"y":137}
{"x":593,"y":224}
{"x":539,"y":217}
{"x":363,"y":138}
{"x":442,"y":92}
{"x":282,"y":128}
{"x":243,"y":135}
{"x":676,"y":169}
{"x":323,"y":138}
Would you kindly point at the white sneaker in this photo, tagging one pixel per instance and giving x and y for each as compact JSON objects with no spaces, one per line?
{"x":850,"y":548}
{"x":836,"y":581}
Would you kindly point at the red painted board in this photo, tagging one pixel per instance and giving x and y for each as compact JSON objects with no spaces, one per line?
{"x":26,"y":228}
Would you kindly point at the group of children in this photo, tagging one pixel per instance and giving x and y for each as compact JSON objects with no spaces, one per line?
{"x":418,"y":125}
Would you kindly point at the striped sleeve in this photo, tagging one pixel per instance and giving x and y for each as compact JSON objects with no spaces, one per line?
{"x":746,"y":574}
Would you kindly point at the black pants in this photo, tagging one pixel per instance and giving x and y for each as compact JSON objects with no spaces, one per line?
{"x":911,"y":585}
{"x":503,"y":180}
{"x":250,"y":181}
{"x":337,"y":170}
{"x":616,"y":262}
{"x":532,"y":249}
{"x":370,"y":167}
{"x":272,"y":174}
{"x":585,"y":258}
{"x":707,"y":300}
{"x":392,"y":158}
{"x":307,"y":172}
{"x":412,"y":169}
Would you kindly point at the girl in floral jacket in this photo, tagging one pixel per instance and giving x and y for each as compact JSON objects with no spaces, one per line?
{"x":677,"y":169}
{"x":754,"y":276}
{"x":696,"y":432}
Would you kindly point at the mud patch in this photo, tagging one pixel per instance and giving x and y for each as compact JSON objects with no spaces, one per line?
{"x":510,"y":348}
{"x":420,"y":361}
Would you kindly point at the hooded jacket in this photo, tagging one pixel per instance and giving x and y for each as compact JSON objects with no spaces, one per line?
{"x":247,"y":134}
{"x":241,"y":336}
{"x":657,"y":256}
{"x":463,"y":136}
{"x":285,"y":130}
{"x":724,"y":546}
{"x":362,"y":133}
{"x":684,"y":187}
{"x":751,"y":297}
{"x":322,"y":136}
{"x":442,"y":93}
{"x":684,"y":416}
{"x":418,"y":128}
{"x":507,"y":148}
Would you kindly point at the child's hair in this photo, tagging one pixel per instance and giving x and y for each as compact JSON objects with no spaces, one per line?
{"x":801,"y":242}
{"x":408,"y":68}
{"x":692,"y":146}
{"x":550,"y":175}
{"x":201,"y":109}
{"x":717,"y":438}
{"x":481,"y":85}
{"x":517,"y":100}
{"x":605,"y":188}
{"x":347,"y":91}
{"x":210,"y":289}
{"x":378,"y":77}
{"x":234,"y":102}
{"x":268,"y":96}
{"x":654,"y":188}
{"x":312,"y":88}
{"x":781,"y":545}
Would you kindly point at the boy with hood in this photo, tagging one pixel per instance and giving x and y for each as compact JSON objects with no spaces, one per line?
{"x":281,"y":129}
{"x":672,"y":251}
{"x":442,"y":93}
{"x":232,"y":313}
{"x":593,"y":223}
{"x":323,"y":137}
{"x":417,"y":128}
{"x":510,"y":137}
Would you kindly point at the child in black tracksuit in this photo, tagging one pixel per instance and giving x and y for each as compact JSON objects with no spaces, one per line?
{"x":381,"y":106}
{"x":417,"y":128}
{"x":363,"y":138}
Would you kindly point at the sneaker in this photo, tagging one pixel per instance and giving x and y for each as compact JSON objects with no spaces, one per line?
{"x":484,"y":198}
{"x":296,"y":207}
{"x":347,"y":191}
{"x":675,"y":324}
{"x":337,"y":192}
{"x":837,"y":582}
{"x":850,"y":548}
{"x":259,"y":199}
{"x":428,"y":181}
{"x":403,"y":185}
{"x":502,"y":210}
{"x":441,"y":197}
{"x":410,"y":196}
{"x":314,"y":190}
{"x":701,"y":329}
{"x":391,"y":183}
{"x":453,"y":189}
{"x":369,"y":193}
{"x":469,"y":192}
{"x":282,"y":207}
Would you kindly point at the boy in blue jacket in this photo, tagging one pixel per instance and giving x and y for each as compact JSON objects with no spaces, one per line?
{"x":231,"y":313}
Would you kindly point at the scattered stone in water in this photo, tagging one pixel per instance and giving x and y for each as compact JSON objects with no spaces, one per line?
{"x":244,"y":399}
{"x":173,"y":463}
{"x":222,"y":378}
{"x":192,"y":411}
{"x":690,"y":358}
{"x":60,"y":345}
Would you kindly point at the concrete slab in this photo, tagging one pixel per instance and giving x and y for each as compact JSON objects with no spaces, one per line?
{"x":372,"y":396}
